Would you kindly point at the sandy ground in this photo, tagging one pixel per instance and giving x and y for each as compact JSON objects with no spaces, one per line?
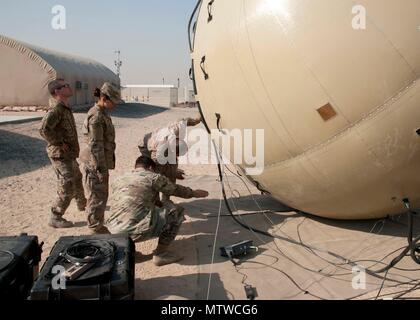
{"x":27,"y":183}
{"x":27,"y":188}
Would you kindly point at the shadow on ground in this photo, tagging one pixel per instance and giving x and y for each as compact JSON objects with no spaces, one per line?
{"x":136,"y":111}
{"x":202,"y":228}
{"x":395,"y":226}
{"x":179,"y":286}
{"x":129,"y":110}
{"x":20,"y":154}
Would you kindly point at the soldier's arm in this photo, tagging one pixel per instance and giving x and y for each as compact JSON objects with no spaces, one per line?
{"x":97,"y":144}
{"x":162,"y":184}
{"x":191,"y":122}
{"x":48,"y":128}
{"x":144,"y":145}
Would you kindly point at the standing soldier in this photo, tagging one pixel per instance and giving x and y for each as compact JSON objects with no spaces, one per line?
{"x":59,"y":130}
{"x":99,"y":156}
{"x":137,"y":211}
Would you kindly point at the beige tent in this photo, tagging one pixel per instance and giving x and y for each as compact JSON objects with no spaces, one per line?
{"x":27,"y":69}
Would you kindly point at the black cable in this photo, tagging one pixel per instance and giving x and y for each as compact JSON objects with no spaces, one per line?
{"x":389,"y":287}
{"x":413,"y":247}
{"x":306,"y":292}
{"x":414,"y":288}
{"x":252,"y":213}
{"x":88,"y":251}
{"x":338,"y":265}
{"x":372,"y":273}
{"x":310,"y":249}
{"x":227,"y":202}
{"x":332,"y":263}
{"x":368,"y":271}
{"x":289,"y":240}
{"x":190,"y":23}
{"x":382,"y":285}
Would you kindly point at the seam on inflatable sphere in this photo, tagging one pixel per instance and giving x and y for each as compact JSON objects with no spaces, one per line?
{"x":372,"y":114}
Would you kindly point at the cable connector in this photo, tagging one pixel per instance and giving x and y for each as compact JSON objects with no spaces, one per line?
{"x":406,"y":202}
{"x":251,"y":292}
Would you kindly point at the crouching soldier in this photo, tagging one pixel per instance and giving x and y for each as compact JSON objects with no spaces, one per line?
{"x":137,"y":211}
{"x":165,"y":145}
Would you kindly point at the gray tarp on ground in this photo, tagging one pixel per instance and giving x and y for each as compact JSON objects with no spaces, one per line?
{"x":27,"y":69}
{"x":281,"y":269}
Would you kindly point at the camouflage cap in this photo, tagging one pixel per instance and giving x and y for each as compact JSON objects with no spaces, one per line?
{"x":112,"y":91}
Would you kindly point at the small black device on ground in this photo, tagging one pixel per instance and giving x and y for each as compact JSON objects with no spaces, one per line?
{"x":237,"y":250}
{"x":251,"y":292}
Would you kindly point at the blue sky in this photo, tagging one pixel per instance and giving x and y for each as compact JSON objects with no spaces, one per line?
{"x":151,"y":34}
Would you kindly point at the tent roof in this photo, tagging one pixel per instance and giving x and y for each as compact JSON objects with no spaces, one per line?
{"x":57,"y":63}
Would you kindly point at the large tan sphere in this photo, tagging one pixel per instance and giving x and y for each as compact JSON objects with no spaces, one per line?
{"x":340,"y":104}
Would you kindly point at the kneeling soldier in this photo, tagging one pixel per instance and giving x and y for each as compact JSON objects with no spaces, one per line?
{"x":137,"y":211}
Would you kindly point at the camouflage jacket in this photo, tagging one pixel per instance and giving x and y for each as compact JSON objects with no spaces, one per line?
{"x":58,"y":128}
{"x":133,"y":200}
{"x":99,"y":133}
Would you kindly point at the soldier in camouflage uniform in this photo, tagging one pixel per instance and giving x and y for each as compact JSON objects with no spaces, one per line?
{"x":137,"y":211}
{"x":59,"y":130}
{"x":99,"y":156}
{"x":156,"y":146}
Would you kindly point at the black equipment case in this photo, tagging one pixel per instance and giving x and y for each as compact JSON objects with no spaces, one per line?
{"x":19,"y":266}
{"x":99,"y":267}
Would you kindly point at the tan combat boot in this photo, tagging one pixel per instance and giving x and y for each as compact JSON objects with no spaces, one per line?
{"x":81,"y":205}
{"x":59,"y":222}
{"x":101,"y":230}
{"x":162,"y":256}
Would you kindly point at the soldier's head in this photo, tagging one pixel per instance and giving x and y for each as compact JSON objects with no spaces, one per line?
{"x":145,"y":163}
{"x":59,"y":89}
{"x":108,"y":96}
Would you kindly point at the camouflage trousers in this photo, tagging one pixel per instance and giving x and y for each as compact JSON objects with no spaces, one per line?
{"x":69,"y":185}
{"x":97,"y":192}
{"x":165,"y":223}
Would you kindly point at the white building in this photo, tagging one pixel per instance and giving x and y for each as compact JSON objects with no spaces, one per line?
{"x":157,"y":95}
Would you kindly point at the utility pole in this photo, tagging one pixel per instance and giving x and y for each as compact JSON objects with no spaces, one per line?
{"x":178,"y":83}
{"x":118,"y":63}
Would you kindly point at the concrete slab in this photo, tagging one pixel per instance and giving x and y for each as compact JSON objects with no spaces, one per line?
{"x":18,"y":119}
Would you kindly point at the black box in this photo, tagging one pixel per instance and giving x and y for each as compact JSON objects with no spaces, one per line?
{"x":236,"y":250}
{"x":19,"y":266}
{"x":116,"y":283}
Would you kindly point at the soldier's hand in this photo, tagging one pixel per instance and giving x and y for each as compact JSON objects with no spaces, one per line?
{"x":200,"y":194}
{"x":180,"y":174}
{"x":194,"y":122}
